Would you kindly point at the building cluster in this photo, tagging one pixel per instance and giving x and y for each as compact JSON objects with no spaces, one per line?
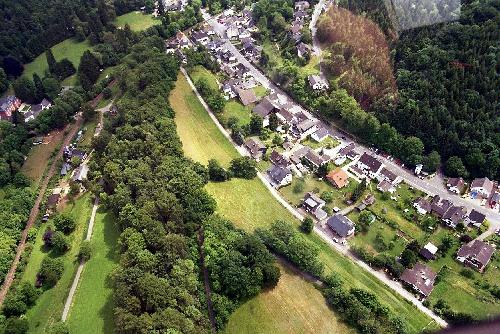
{"x":484,"y":190}
{"x":300,"y":16}
{"x":9,"y":104}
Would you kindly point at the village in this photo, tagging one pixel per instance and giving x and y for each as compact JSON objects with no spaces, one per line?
{"x":350,"y":192}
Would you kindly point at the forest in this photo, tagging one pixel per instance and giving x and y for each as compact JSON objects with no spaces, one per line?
{"x":447,"y":77}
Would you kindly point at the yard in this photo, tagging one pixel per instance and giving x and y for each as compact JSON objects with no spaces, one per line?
{"x":201,"y":140}
{"x":328,"y":142}
{"x":69,"y":48}
{"x":49,"y":306}
{"x":285,"y":310}
{"x":92,"y":309}
{"x":200,"y":72}
{"x":234,"y":108}
{"x":38,"y":157}
{"x":137,"y":21}
{"x":311,"y":184}
{"x":249,"y":204}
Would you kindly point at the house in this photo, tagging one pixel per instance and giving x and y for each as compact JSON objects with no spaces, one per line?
{"x":264,"y":108}
{"x":303,"y":50}
{"x":388,"y":176}
{"x":321,"y":134}
{"x":297,"y":155}
{"x":285,"y":117}
{"x":314,"y":205}
{"x":345,"y":150}
{"x":242,"y":71}
{"x":475,"y":218}
{"x":182,"y":40}
{"x":53,"y":200}
{"x":423,"y":206}
{"x":305,"y":128}
{"x":8,"y":105}
{"x":439,"y":207}
{"x":230,"y":88}
{"x":247,"y":96}
{"x":420,"y":278}
{"x":36,"y":109}
{"x":338,"y":178}
{"x":315,"y":159}
{"x":341,"y":225}
{"x":475,"y":254}
{"x":317,"y":82}
{"x":232,"y":31}
{"x":456,"y":185}
{"x":429,"y":251}
{"x":255,"y":147}
{"x":66,"y":167}
{"x":200,"y":37}
{"x":454,"y":216}
{"x":481,"y":188}
{"x":370,"y":165}
{"x":301,"y":5}
{"x":495,"y":200}
{"x":280,"y":176}
{"x":369,"y":200}
{"x":278,"y":159}
{"x":80,"y":174}
{"x":385,"y":186}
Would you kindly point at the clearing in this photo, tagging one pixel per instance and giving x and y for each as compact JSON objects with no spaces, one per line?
{"x":137,"y":21}
{"x":285,"y":310}
{"x":69,"y":48}
{"x":92,"y":309}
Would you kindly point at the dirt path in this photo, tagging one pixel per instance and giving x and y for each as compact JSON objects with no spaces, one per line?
{"x":206,"y":279}
{"x":72,"y":130}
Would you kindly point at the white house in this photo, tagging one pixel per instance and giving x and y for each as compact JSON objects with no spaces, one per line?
{"x":370,"y":166}
{"x":481,"y":187}
{"x":280,"y":176}
{"x":317,"y":82}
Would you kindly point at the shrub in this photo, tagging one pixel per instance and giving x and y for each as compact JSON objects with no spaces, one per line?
{"x":64,"y":223}
{"x":216,"y":172}
{"x":468,"y":273}
{"x":16,"y":326}
{"x":85,"y":251}
{"x":307,"y":225}
{"x":51,"y":271}
{"x":59,"y":242}
{"x":299,"y":186}
{"x":244,"y":167}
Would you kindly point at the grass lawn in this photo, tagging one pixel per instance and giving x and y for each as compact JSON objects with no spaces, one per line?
{"x":88,"y":134}
{"x":137,"y":21}
{"x":234,"y":108}
{"x":311,"y":183}
{"x":201,"y":140}
{"x":260,"y":91}
{"x":200,"y":72}
{"x":49,"y":306}
{"x":328,"y":143}
{"x":92,"y":309}
{"x":69,"y":48}
{"x":38,"y":157}
{"x":285,"y":310}
{"x":249,"y":205}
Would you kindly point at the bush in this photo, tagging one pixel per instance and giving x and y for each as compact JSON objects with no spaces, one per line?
{"x":64,"y":223}
{"x":59,"y":328}
{"x":307,"y":225}
{"x":327,"y":196}
{"x":85,"y":251}
{"x":468,"y":273}
{"x":59,"y":242}
{"x":51,"y":271}
{"x":16,"y":326}
{"x":216,"y":172}
{"x":244,"y":167}
{"x":299,"y":186}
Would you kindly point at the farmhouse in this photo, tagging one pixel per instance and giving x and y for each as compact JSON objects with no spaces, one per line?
{"x":338,"y":178}
{"x":280,"y":176}
{"x":475,"y":218}
{"x":341,"y":225}
{"x":456,"y":185}
{"x":481,"y":188}
{"x":475,"y":254}
{"x":317,"y":82}
{"x":420,"y":278}
{"x":255,"y":147}
{"x":314,"y":205}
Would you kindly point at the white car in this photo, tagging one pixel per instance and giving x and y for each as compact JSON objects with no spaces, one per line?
{"x":336,"y":209}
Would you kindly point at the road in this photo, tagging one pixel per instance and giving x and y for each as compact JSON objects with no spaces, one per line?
{"x":323,"y":233}
{"x":318,"y":9}
{"x":435,"y":186}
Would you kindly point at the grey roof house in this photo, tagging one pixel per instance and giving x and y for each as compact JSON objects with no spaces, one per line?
{"x":341,"y":225}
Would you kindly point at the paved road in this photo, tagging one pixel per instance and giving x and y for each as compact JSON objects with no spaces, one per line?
{"x":394,"y":285}
{"x":435,"y":186}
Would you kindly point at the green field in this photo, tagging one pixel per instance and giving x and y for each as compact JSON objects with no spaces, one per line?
{"x":234,"y":108}
{"x":202,"y":140}
{"x":249,"y":204}
{"x":49,"y":306}
{"x":68,"y":48}
{"x":285,"y":310}
{"x":137,"y":21}
{"x":92,"y":309}
{"x":200,"y":72}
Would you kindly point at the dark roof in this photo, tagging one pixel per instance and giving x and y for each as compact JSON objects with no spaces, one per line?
{"x":264,"y":108}
{"x":455,"y":214}
{"x":288,"y":116}
{"x":255,"y":146}
{"x":278,"y":159}
{"x":199,"y":35}
{"x":455,"y":182}
{"x":477,"y":249}
{"x":439,"y":207}
{"x":429,"y":251}
{"x":314,"y":158}
{"x":278,"y":174}
{"x":484,"y":183}
{"x":421,"y":277}
{"x":340,"y":224}
{"x":390,"y":176}
{"x":53,"y":199}
{"x":476,"y":217}
{"x":424,"y":204}
{"x":372,"y":162}
{"x":247,"y":96}
{"x":347,"y":149}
